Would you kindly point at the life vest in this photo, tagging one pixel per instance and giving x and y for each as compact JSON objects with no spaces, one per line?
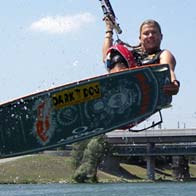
{"x":142,"y":58}
{"x":119,"y":53}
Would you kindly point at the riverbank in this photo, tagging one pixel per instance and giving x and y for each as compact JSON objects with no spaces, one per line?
{"x":44,"y":168}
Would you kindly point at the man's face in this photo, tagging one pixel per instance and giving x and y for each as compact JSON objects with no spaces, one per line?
{"x":150,"y":38}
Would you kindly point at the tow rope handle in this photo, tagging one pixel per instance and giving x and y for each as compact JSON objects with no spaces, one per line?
{"x":109,"y":12}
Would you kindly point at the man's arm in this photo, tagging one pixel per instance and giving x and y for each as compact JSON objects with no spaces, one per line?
{"x":167,"y":58}
{"x":108,"y":39}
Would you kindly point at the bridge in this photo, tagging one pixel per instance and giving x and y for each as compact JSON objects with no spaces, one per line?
{"x":151,"y":143}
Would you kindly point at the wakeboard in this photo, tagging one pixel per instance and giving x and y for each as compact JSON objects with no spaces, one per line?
{"x":77,"y":111}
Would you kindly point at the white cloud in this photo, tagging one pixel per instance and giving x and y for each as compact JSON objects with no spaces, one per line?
{"x":62,"y":24}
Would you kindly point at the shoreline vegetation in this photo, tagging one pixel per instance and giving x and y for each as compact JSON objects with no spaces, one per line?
{"x":44,"y":168}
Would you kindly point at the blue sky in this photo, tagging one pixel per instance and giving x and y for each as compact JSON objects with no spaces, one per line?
{"x":46,"y":43}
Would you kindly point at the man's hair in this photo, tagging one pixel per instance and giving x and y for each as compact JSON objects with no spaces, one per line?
{"x":150,"y":21}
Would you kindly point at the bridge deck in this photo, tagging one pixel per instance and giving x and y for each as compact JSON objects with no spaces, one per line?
{"x":166,"y":142}
{"x":153,"y":135}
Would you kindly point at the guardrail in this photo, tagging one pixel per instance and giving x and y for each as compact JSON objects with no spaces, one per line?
{"x":154,"y":135}
{"x":182,"y":149}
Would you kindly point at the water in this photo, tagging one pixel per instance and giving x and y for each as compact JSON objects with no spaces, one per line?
{"x":125,"y":189}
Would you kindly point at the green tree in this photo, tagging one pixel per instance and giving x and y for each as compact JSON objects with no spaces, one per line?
{"x":89,"y":156}
{"x":77,"y":153}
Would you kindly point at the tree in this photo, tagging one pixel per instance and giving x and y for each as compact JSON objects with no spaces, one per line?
{"x":87,"y":158}
{"x":77,"y":153}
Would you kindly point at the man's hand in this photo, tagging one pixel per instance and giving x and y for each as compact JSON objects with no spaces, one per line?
{"x":172,"y":88}
{"x":109,"y":23}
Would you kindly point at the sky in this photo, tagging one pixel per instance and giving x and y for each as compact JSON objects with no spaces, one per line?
{"x":46,"y":43}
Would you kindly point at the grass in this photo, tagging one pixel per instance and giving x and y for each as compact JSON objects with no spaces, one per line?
{"x":137,"y":171}
{"x":192,"y":170}
{"x":36,"y":169}
{"x":44,"y":168}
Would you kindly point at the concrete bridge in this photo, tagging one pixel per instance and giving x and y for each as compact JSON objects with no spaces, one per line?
{"x":153,"y":135}
{"x":151,"y":143}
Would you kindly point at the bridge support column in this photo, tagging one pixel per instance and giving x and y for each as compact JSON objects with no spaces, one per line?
{"x":180,"y":168}
{"x":150,"y":162}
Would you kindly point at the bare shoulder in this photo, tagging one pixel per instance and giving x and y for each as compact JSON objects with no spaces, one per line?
{"x":167,"y":53}
{"x":167,"y":57}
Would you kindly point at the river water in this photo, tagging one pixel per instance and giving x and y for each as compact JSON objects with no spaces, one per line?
{"x":123,"y":189}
